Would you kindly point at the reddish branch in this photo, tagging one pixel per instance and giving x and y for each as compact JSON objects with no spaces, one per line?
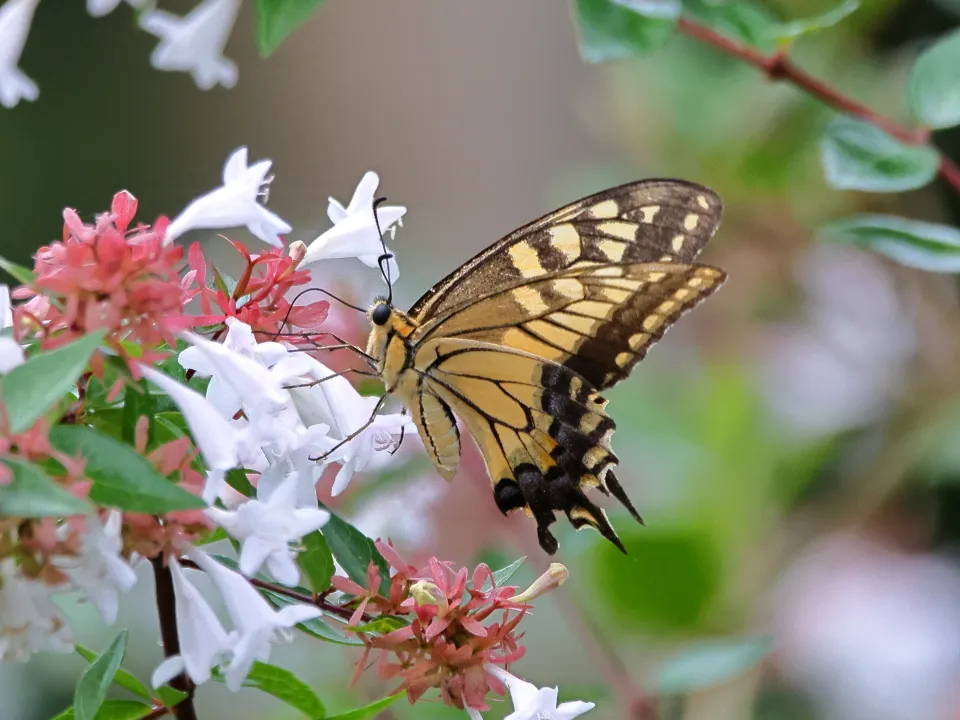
{"x":779,"y":67}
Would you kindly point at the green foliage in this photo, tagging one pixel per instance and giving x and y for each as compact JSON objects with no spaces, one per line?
{"x":316,"y":561}
{"x":31,"y":389}
{"x":122,"y":478}
{"x":933,"y":90}
{"x":167,"y":695}
{"x":609,"y":30}
{"x":237,"y":479}
{"x":315,"y":627}
{"x":923,"y":245}
{"x":354,"y":551}
{"x":859,"y":156}
{"x":502,"y":576}
{"x":276,"y":19}
{"x":285,"y":686}
{"x":382,"y":625}
{"x":747,"y":22}
{"x":789,"y":31}
{"x":19,"y":273}
{"x":32,"y":493}
{"x":113,"y":710}
{"x":367,"y":711}
{"x":96,"y":679}
{"x":137,"y":403}
{"x":710,"y":663}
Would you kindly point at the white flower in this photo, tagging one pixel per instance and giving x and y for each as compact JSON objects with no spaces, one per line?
{"x":266,"y":529}
{"x":6,"y":309}
{"x":29,"y":621}
{"x":354,"y":233}
{"x":533,"y":703}
{"x":233,"y":204}
{"x":99,"y":8}
{"x":100,"y":571}
{"x":259,"y":625}
{"x":194,"y":43}
{"x":335,"y":402}
{"x":11,"y":355}
{"x":220,"y":443}
{"x":15,"y":19}
{"x":204,"y":643}
{"x":293,"y":458}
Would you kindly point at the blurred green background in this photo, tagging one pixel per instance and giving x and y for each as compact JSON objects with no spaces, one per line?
{"x":794,"y":445}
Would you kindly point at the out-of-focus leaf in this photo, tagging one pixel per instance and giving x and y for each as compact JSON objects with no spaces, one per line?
{"x":382,"y":625}
{"x":668,"y":583}
{"x":96,"y":679}
{"x":316,"y":561}
{"x":788,"y":31}
{"x":710,"y":663}
{"x":923,"y":245}
{"x":237,"y":479}
{"x":137,"y":403}
{"x":354,"y":551}
{"x":122,"y":478}
{"x":19,"y":273}
{"x":860,"y":156}
{"x":123,"y":678}
{"x":933,"y":90}
{"x":610,"y":30}
{"x":285,"y":686}
{"x":31,"y":389}
{"x":747,"y":22}
{"x":315,"y":627}
{"x":32,"y":493}
{"x":367,"y":711}
{"x":502,"y":576}
{"x":113,"y":710}
{"x":276,"y":19}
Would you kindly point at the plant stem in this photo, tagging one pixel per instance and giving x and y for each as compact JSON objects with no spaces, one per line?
{"x":779,"y":67}
{"x":166,"y":610}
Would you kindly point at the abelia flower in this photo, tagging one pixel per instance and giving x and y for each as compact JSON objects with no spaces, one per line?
{"x":29,"y":621}
{"x":533,"y":703}
{"x":100,"y":8}
{"x":104,"y":276}
{"x":15,"y":19}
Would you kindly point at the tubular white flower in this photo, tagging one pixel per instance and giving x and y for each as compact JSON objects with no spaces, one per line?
{"x":204,"y":643}
{"x":11,"y":355}
{"x":533,"y":703}
{"x":6,"y":309}
{"x":266,"y":529}
{"x":99,"y":571}
{"x":15,"y":19}
{"x":194,"y":43}
{"x":258,"y":624}
{"x":219,"y":442}
{"x":29,"y":621}
{"x":233,"y":204}
{"x":354,"y":233}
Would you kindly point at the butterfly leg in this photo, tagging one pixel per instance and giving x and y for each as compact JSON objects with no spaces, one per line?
{"x":373,"y":416}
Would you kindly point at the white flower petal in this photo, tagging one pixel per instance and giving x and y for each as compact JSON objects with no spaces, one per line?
{"x":167,"y":671}
{"x":11,"y":355}
{"x":15,"y":19}
{"x":100,"y":8}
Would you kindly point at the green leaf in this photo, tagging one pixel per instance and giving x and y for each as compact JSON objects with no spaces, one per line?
{"x":503,"y":575}
{"x":354,"y":551}
{"x":237,"y":479}
{"x":788,"y":31}
{"x":710,"y":663}
{"x":316,"y":561}
{"x":367,"y":711}
{"x":122,"y":478}
{"x":276,"y":19}
{"x":284,"y":685}
{"x":31,"y":389}
{"x":93,"y":684}
{"x":137,"y":402}
{"x":19,"y":273}
{"x":859,"y":156}
{"x":124,"y":679}
{"x":609,"y":30}
{"x":382,"y":625}
{"x":32,"y":493}
{"x":170,"y":696}
{"x":917,"y":244}
{"x":933,"y":89}
{"x":113,"y":710}
{"x":314,"y":627}
{"x":744,"y":21}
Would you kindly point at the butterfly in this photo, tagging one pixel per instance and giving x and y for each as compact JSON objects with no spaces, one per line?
{"x":519,"y":342}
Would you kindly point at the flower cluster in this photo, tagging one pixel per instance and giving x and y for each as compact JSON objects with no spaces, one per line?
{"x":195,"y":406}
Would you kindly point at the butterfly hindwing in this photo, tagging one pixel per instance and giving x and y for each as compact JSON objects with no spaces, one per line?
{"x":640,"y":222}
{"x":542,"y":430}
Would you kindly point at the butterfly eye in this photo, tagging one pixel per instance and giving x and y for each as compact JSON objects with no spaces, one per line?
{"x":380,"y":314}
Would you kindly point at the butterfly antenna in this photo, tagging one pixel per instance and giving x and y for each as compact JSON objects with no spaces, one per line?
{"x":300,"y":294}
{"x":387,"y":256}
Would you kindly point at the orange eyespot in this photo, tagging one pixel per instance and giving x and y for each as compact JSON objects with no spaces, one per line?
{"x":380,"y":314}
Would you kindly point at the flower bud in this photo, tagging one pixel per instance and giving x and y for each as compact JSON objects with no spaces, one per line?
{"x":553,"y":578}
{"x":297,"y":250}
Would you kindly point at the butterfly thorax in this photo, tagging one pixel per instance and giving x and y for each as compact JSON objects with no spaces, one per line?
{"x":388,"y":344}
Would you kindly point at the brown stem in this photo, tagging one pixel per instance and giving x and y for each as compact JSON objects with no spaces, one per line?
{"x":166,"y":610}
{"x":158,"y":711}
{"x":779,"y":67}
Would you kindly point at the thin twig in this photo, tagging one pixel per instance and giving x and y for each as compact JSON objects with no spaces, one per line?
{"x":166,"y":610}
{"x":778,"y":66}
{"x":158,"y":711}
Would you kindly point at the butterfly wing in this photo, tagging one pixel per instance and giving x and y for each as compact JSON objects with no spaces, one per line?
{"x":640,"y":222}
